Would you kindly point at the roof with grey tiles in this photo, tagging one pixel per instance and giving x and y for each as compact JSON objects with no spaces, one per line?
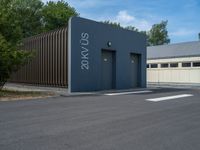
{"x":174,"y":50}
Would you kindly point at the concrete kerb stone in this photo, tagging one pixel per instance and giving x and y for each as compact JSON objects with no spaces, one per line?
{"x":64,"y":91}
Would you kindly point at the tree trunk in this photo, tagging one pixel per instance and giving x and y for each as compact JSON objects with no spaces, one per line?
{"x":2,"y":83}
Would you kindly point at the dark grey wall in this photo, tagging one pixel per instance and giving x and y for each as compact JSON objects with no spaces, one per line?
{"x":123,"y":42}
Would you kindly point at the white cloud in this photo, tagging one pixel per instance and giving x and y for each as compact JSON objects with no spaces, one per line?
{"x":125,"y":19}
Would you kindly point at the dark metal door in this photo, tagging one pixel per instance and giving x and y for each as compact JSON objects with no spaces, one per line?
{"x":134,"y":60}
{"x":107,"y":70}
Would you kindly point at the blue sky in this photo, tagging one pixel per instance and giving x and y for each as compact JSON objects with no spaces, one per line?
{"x":183,"y":15}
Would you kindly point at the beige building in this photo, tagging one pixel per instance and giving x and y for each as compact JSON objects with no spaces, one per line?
{"x":174,"y":64}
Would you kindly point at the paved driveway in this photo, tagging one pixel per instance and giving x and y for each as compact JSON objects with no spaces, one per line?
{"x":161,"y":119}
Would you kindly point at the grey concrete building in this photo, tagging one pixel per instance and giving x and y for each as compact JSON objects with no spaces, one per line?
{"x":86,"y":56}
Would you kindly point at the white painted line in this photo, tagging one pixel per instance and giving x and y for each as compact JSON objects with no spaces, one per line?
{"x":125,"y":93}
{"x":169,"y":97}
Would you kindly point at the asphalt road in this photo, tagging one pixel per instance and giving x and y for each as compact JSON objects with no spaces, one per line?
{"x":99,"y":122}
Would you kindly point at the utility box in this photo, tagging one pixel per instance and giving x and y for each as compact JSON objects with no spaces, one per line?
{"x":102,"y":57}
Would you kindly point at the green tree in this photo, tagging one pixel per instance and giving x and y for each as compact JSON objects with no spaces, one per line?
{"x":158,"y":34}
{"x":57,"y":14}
{"x":28,"y":14}
{"x":114,"y":24}
{"x":11,"y":58}
{"x":132,"y":28}
{"x":9,"y":26}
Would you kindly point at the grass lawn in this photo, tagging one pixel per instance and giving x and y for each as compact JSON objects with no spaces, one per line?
{"x":16,"y":95}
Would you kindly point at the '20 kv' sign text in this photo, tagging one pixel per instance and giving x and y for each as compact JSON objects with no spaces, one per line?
{"x":84,"y":44}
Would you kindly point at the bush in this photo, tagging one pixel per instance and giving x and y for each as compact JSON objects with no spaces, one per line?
{"x":11,"y":59}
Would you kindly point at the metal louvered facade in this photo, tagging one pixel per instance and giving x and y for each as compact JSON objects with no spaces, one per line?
{"x":49,"y":66}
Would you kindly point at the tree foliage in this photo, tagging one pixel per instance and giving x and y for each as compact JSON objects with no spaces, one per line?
{"x":158,"y":35}
{"x":25,"y":18}
{"x":9,"y":26}
{"x":113,"y":24}
{"x":132,"y":28}
{"x":57,"y":14}
{"x":28,"y":14}
{"x":116,"y":24}
{"x":11,"y":59}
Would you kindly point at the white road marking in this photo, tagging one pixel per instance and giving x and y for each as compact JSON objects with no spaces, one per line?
{"x":169,"y":97}
{"x":126,"y":93}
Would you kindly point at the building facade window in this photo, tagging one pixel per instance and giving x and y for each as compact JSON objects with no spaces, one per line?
{"x":174,"y":65}
{"x":154,"y":65}
{"x":196,"y":64}
{"x":186,"y":64}
{"x":164,"y":65}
